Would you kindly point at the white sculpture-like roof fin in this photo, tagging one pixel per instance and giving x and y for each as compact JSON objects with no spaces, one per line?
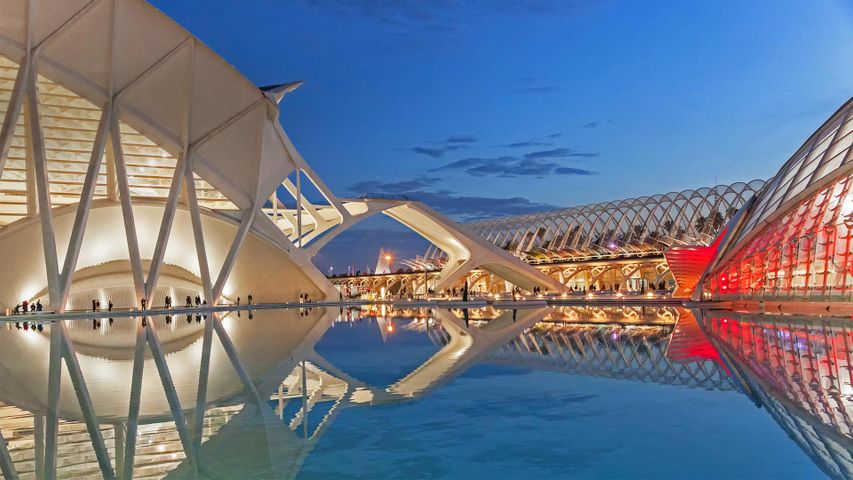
{"x":277,"y":92}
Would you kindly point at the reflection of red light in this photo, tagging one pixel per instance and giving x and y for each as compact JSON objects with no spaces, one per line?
{"x":724,"y":287}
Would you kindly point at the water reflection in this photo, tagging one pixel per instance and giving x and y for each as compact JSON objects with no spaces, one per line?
{"x":799,"y":369}
{"x":241,"y":397}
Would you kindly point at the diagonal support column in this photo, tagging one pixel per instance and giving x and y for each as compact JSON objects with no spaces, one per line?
{"x":228,"y":346}
{"x":171,"y":394}
{"x":203,"y":375}
{"x":54,"y":379}
{"x":85,"y":402}
{"x":85,"y":205}
{"x":7,"y":468}
{"x":198,"y":232}
{"x":165,"y":226}
{"x":245,"y":225}
{"x":13,"y":112}
{"x":127,"y":210}
{"x":133,"y":408}
{"x":43,"y":193}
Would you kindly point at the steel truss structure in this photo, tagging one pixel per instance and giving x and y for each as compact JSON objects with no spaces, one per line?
{"x":794,"y":241}
{"x":118,"y":123}
{"x":633,"y":227}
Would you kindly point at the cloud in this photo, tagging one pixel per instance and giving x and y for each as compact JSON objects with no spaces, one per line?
{"x":393,"y":188}
{"x":595,"y":124}
{"x":528,"y":143}
{"x":452,"y":143}
{"x":558,"y":153}
{"x":545,"y":141}
{"x":541,"y":164}
{"x":430,"y":151}
{"x":461,"y":139}
{"x":472,"y":207}
{"x":572,"y":171}
{"x":462,"y":207}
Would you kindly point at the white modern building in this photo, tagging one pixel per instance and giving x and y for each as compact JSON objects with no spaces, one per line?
{"x":136,"y":163}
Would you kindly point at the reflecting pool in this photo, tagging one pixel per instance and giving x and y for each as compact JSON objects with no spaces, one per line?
{"x":372,"y":392}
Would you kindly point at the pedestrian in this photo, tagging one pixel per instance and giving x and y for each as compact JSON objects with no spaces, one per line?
{"x":110,"y":306}
{"x":251,"y":300}
{"x":143,"y":307}
{"x":238,"y":301}
{"x":26,"y":304}
{"x":197,"y":300}
{"x":94,"y":305}
{"x":189,"y":301}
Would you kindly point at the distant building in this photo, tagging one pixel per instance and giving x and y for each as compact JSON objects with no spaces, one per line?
{"x":383,"y":263}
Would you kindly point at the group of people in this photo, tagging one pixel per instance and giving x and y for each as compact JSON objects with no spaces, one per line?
{"x":250,"y":299}
{"x":169,"y":303}
{"x":96,"y":305}
{"x":27,"y":307}
{"x":29,"y":326}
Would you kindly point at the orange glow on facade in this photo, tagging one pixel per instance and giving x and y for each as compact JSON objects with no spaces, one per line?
{"x":687,"y":265}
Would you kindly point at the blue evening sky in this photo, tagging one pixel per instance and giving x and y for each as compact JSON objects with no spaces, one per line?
{"x":509,"y":106}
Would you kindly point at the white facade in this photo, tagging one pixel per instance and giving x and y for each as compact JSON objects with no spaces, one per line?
{"x":130,"y":147}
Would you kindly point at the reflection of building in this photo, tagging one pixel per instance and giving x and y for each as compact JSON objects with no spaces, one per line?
{"x":232,"y":396}
{"x":128,"y":148}
{"x":800,"y":370}
{"x":793,"y":243}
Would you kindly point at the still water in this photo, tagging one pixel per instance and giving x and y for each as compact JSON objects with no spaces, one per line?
{"x":568,"y":392}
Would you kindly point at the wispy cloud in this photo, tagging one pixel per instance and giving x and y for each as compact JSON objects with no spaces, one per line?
{"x":556,"y":153}
{"x":541,"y":164}
{"x":544,"y":141}
{"x":452,"y":143}
{"x":399,"y":187}
{"x":594,"y":124}
{"x":528,"y":143}
{"x":462,"y":207}
{"x":460,"y":139}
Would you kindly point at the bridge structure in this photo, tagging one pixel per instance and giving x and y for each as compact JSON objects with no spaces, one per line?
{"x":618,"y":245}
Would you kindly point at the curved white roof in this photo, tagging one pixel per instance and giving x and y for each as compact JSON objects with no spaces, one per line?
{"x":164,"y":82}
